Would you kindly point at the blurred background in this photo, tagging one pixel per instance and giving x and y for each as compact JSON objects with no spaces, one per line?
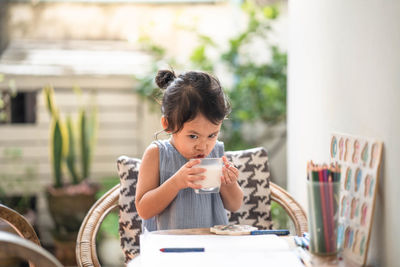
{"x":77,"y":82}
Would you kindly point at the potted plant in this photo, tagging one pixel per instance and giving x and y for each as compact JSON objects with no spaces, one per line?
{"x":69,"y":201}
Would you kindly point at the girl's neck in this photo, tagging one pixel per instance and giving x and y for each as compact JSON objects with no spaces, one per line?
{"x":171,"y":141}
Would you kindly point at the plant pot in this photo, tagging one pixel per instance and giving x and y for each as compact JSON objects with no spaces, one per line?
{"x":64,"y":250}
{"x":68,"y":206}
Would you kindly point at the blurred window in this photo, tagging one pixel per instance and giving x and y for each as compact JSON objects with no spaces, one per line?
{"x":17,"y":108}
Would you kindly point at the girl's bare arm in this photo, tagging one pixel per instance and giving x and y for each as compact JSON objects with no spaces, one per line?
{"x":231,"y":193}
{"x":232,"y":196}
{"x":151,"y":199}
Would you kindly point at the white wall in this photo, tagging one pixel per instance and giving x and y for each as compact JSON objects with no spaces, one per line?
{"x":344,"y":76}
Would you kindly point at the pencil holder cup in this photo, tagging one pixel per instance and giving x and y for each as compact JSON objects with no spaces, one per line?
{"x":213,"y":173}
{"x":323,"y":215}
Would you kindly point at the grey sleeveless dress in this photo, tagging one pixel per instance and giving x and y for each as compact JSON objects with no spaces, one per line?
{"x":188,"y":209}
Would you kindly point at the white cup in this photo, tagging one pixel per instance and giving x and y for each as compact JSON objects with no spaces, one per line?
{"x":213,"y":173}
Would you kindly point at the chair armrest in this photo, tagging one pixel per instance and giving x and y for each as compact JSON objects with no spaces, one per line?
{"x":291,"y":206}
{"x":86,"y":254}
{"x":19,"y":224}
{"x":14,"y":245}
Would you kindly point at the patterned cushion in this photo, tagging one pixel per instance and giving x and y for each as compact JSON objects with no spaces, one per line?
{"x":130,"y":224}
{"x":253,"y":179}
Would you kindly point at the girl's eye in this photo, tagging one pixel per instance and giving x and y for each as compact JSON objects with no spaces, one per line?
{"x":192,"y":136}
{"x":212,"y":135}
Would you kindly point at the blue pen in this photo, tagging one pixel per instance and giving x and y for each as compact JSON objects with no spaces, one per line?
{"x":301,"y":242}
{"x":306,"y":243}
{"x":182,"y":249}
{"x":270,"y":232}
{"x":306,"y":235}
{"x":298,"y":241}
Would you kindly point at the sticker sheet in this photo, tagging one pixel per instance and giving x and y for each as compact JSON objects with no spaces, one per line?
{"x":360,"y":160}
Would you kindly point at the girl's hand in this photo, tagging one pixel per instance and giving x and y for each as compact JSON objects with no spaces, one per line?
{"x":186,"y":176}
{"x":230,"y":173}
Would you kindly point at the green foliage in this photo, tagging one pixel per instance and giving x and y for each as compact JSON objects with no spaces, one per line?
{"x":21,"y":201}
{"x":57,"y":142}
{"x":57,"y":150}
{"x":280,"y":217}
{"x":258,"y":92}
{"x":109,"y":226}
{"x":65,"y":138}
{"x":85,"y":144}
{"x":110,"y":223}
{"x":259,"y":89}
{"x":199,"y":56}
{"x":71,"y":156}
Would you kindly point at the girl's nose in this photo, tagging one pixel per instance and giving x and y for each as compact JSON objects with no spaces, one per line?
{"x":200,"y":146}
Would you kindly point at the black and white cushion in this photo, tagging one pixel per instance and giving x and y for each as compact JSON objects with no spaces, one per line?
{"x":253,"y":179}
{"x":130,"y":223}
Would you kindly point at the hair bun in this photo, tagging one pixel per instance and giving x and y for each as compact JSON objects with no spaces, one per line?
{"x":164,"y":78}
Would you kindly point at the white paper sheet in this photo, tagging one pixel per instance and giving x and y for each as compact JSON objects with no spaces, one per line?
{"x":232,"y":251}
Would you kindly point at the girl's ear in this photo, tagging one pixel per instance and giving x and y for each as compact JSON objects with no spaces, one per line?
{"x":164,"y":122}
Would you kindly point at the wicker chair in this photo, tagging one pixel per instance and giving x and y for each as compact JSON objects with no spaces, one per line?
{"x":26,"y":244}
{"x":253,"y":178}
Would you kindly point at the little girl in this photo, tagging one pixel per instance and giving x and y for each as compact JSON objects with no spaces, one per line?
{"x":193,"y":108}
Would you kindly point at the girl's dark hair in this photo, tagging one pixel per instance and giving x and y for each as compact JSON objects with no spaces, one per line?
{"x":188,"y":95}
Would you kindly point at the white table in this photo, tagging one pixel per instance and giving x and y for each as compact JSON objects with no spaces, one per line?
{"x":220,"y":250}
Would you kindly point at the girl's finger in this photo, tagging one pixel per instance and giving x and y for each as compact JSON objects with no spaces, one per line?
{"x":230,"y":166}
{"x":232,"y":171}
{"x":193,"y":178}
{"x":192,"y":163}
{"x":227,"y":178}
{"x":194,"y":186}
{"x":197,"y":170}
{"x":233,"y":174}
{"x":223,"y":179}
{"x":227,"y":163}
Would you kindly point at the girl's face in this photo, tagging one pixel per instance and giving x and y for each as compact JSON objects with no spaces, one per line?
{"x":197,"y":137}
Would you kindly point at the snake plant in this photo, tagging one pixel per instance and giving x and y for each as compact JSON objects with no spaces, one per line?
{"x":65,"y":136}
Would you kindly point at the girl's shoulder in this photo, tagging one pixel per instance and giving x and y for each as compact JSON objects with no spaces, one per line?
{"x":219,"y":149}
{"x":164,"y":146}
{"x":152,"y":147}
{"x":220,"y":144}
{"x":161,"y":143}
{"x":151,"y":152}
{"x":149,"y":158}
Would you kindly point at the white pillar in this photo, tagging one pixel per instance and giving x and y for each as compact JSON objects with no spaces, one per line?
{"x":344,"y":76}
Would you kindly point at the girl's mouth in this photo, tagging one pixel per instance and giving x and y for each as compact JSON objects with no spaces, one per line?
{"x":199,"y":157}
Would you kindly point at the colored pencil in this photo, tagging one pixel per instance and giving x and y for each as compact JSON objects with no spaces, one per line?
{"x":323,"y":207}
{"x":331,"y":212}
{"x":182,"y":249}
{"x":318,"y":217}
